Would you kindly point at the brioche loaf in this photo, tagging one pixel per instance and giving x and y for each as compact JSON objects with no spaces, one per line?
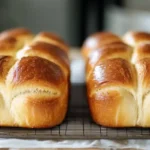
{"x":118,"y":78}
{"x":34,"y":79}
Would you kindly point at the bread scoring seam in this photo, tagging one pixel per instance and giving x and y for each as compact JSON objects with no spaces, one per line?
{"x":36,"y":91}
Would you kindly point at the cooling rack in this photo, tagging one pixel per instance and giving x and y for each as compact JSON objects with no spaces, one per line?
{"x":77,"y":125}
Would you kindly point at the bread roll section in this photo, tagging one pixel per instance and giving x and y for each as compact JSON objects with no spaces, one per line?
{"x":117,"y":77}
{"x":34,"y":81}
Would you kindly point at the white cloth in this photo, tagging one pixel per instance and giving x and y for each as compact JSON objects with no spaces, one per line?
{"x":121,"y":144}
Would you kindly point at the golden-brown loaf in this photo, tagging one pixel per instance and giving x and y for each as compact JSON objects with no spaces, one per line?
{"x":117,"y":77}
{"x":34,"y":80}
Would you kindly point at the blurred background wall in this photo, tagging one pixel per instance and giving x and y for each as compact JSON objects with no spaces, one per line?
{"x":75,"y":19}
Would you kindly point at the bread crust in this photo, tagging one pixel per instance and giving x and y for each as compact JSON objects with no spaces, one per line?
{"x":52,"y":38}
{"x":108,"y":51}
{"x":15,"y":32}
{"x":98,"y":40}
{"x":134,"y":38}
{"x":47,"y":51}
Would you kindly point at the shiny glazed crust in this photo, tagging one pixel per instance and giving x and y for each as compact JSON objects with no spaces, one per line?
{"x":14,"y":39}
{"x":35,"y":76}
{"x":47,"y":51}
{"x":135,"y":38}
{"x":98,"y":40}
{"x":52,"y":38}
{"x":118,"y":80}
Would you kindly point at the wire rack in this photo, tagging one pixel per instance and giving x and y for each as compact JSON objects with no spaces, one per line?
{"x":77,"y":125}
